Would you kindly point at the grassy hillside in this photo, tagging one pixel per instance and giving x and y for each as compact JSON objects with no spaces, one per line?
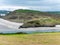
{"x":42,"y":22}
{"x":26,"y":15}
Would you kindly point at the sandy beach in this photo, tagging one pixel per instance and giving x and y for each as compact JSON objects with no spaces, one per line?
{"x":10,"y":24}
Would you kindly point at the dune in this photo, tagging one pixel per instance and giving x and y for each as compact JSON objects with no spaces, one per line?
{"x":10,"y":24}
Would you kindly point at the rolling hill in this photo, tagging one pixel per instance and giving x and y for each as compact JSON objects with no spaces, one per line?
{"x":23,"y":15}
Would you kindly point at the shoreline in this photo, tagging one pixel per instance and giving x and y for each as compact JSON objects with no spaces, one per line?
{"x":40,"y":28}
{"x":14,"y":27}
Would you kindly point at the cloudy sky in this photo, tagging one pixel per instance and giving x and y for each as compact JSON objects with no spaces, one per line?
{"x":42,"y":5}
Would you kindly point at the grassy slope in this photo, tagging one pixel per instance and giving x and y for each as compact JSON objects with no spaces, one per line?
{"x":44,"y":22}
{"x":31,"y":39}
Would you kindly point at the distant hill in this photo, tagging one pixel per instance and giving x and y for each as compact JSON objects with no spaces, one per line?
{"x":54,"y":12}
{"x":23,"y":15}
{"x":4,"y":11}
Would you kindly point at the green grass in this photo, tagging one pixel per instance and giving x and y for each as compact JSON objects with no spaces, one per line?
{"x":26,"y":10}
{"x":31,"y":39}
